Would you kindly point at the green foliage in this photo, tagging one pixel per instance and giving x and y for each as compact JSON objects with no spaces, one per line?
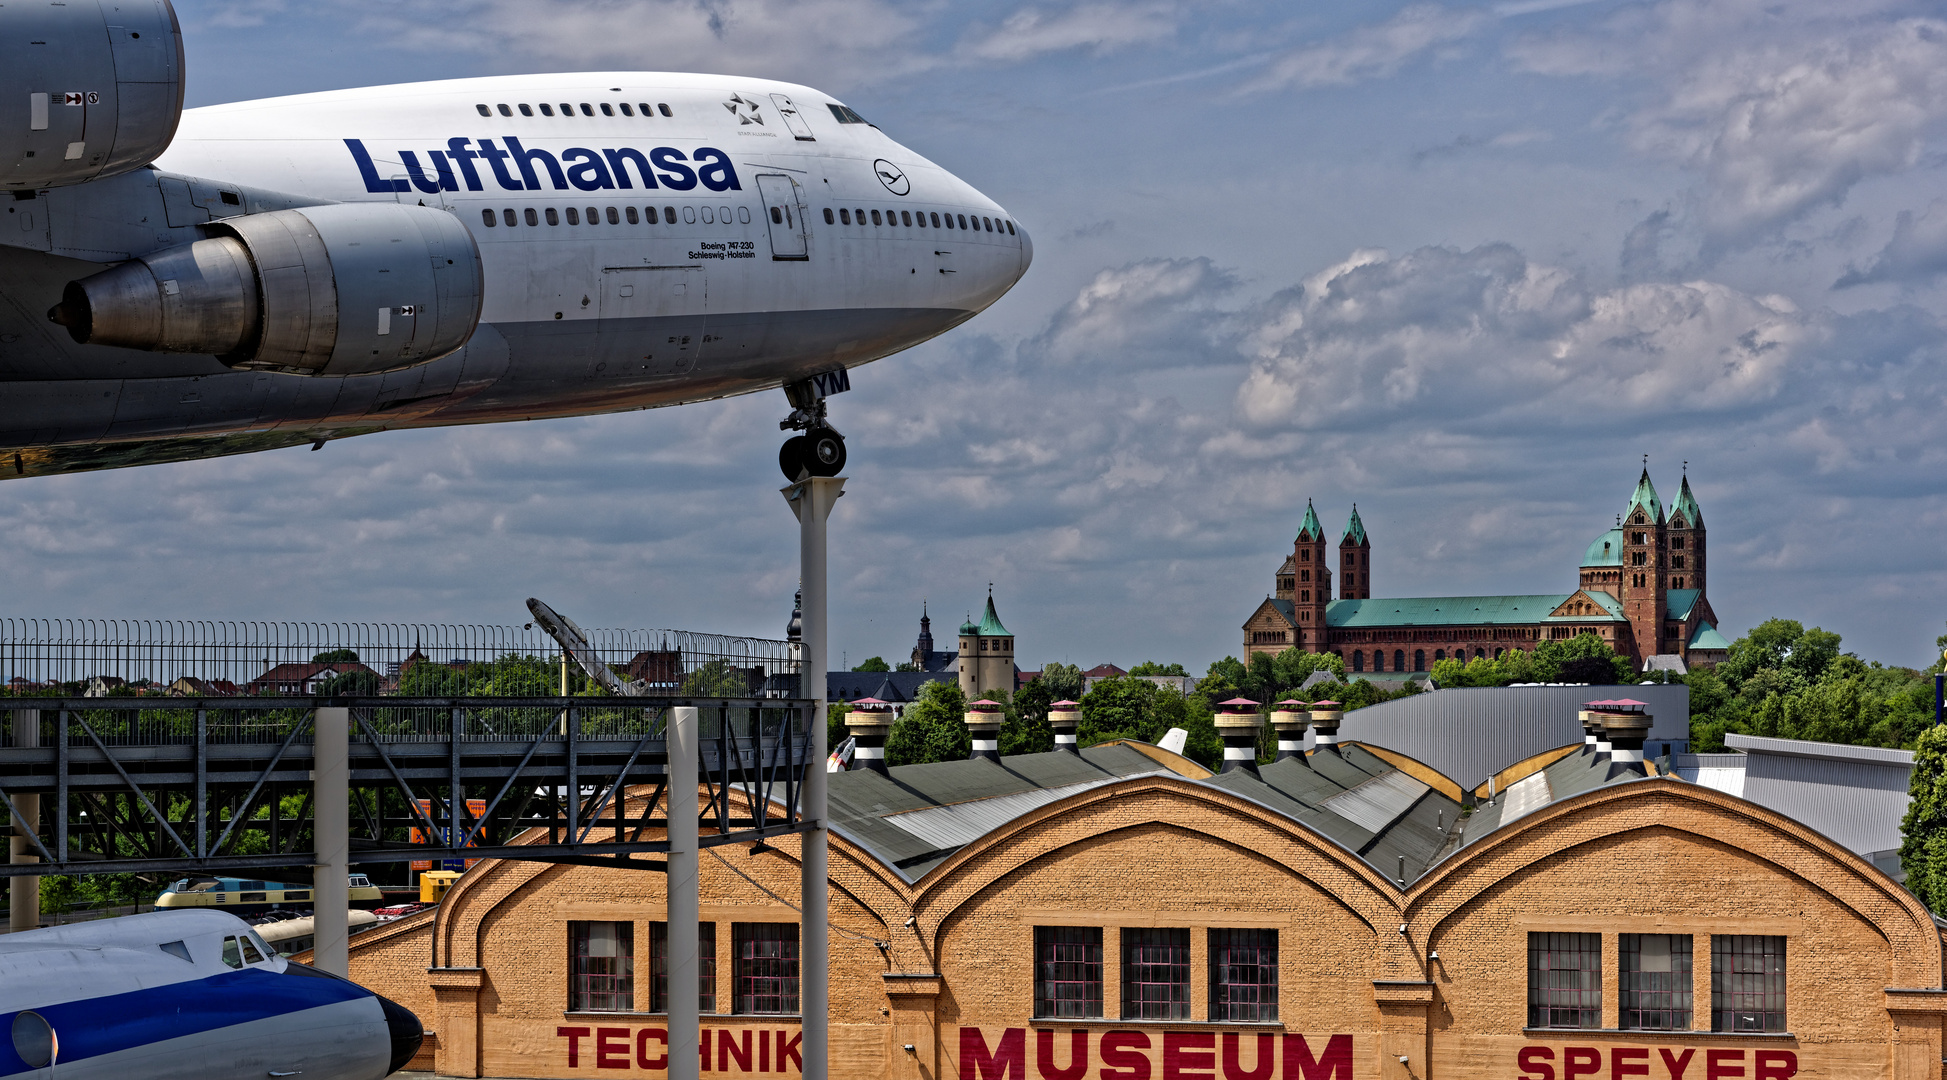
{"x":907,"y":666}
{"x":1786,"y":681}
{"x":1025,"y":729}
{"x":1545,"y":664}
{"x":933,"y":727}
{"x":1267,"y":678}
{"x":1132,"y":708}
{"x":876,"y":663}
{"x":1923,"y":853}
{"x":1151,"y":667}
{"x":835,"y":731}
{"x":1063,"y":681}
{"x":336,"y":656}
{"x":718,"y":679}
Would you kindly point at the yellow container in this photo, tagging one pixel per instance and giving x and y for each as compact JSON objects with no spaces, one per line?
{"x":434,"y":883}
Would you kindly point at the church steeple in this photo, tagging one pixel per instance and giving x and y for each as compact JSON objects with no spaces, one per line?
{"x":1686,"y":539}
{"x":1311,"y":586}
{"x":1645,"y":500}
{"x":1355,"y":560}
{"x":1310,"y":529}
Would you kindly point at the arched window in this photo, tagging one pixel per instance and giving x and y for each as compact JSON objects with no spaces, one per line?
{"x":1358,"y":660}
{"x":1378,"y":659}
{"x":1480,"y":654}
{"x":1399,"y":659}
{"x":1439,"y":655}
{"x":1419,"y":659}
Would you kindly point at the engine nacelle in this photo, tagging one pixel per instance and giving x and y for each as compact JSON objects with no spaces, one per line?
{"x":344,"y":289}
{"x":86,"y":89}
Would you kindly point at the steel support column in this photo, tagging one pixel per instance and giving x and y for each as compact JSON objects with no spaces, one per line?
{"x":24,"y":894}
{"x":680,"y":811}
{"x":331,"y":824}
{"x":812,"y":501}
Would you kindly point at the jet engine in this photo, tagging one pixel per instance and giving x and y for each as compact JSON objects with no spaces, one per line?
{"x":342,"y":289}
{"x":87,"y":89}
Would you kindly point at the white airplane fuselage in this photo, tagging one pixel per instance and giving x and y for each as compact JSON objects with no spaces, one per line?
{"x":739,"y":235}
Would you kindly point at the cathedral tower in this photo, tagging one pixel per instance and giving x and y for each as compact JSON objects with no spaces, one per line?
{"x":1311,"y":588}
{"x":1645,"y":572}
{"x":1355,"y":561}
{"x":986,"y":655}
{"x":1686,"y":536}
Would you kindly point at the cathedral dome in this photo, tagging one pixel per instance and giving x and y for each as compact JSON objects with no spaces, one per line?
{"x":1605,"y":550}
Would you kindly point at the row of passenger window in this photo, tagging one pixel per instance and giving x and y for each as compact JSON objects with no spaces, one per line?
{"x":586,"y":109}
{"x":593,"y":215}
{"x":910,"y":218}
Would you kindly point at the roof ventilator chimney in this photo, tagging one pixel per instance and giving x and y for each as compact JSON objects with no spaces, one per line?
{"x":869,"y":720}
{"x":1290,"y":718}
{"x":1238,"y":722}
{"x":984,"y":724}
{"x":1064,"y":717}
{"x":1326,"y":716}
{"x":1626,"y":726}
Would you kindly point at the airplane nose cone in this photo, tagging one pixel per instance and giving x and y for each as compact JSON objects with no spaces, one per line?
{"x":406,"y":1031}
{"x":1027,"y":250}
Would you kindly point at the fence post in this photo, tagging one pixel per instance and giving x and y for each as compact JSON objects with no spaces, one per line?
{"x":331,"y":826}
{"x":680,"y":742}
{"x":24,"y":894}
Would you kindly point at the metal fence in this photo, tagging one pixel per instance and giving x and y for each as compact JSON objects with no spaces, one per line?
{"x":119,"y":658}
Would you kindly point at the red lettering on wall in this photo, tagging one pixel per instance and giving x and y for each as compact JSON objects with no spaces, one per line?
{"x":1044,"y":1056}
{"x":1677,"y":1063}
{"x":574,"y":1036}
{"x":1620,"y":1058}
{"x":787,"y":1050}
{"x":1189,"y":1055}
{"x":1008,"y":1061}
{"x":1580,"y":1061}
{"x":1334,"y":1064}
{"x":763,"y":1051}
{"x":703,"y":1047}
{"x":1774,"y":1065}
{"x":611,"y":1048}
{"x":1119,"y":1058}
{"x":642,"y":1058}
{"x":1534,"y":1063}
{"x":1717,"y":1064}
{"x":738,"y":1051}
{"x":1267,"y":1057}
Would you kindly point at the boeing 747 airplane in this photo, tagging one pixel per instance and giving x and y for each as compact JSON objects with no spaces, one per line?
{"x":182,"y":284}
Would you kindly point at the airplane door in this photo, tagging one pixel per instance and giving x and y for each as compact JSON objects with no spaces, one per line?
{"x":785,"y":210}
{"x":653,"y":318}
{"x":793,"y":119}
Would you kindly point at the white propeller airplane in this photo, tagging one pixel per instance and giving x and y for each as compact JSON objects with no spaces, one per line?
{"x":181,"y":284}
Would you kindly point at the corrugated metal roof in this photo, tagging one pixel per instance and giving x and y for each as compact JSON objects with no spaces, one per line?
{"x":1525,"y":796}
{"x":1471,"y":733}
{"x":1380,"y":801}
{"x":957,"y":824}
{"x":1872,"y":755}
{"x":1857,"y":795}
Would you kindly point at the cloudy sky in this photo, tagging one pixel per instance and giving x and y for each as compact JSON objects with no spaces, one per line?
{"x":1462,"y":264}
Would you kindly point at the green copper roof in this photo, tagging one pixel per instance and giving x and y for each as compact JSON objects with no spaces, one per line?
{"x":1355,"y":530}
{"x":990,"y":623}
{"x":1645,"y":497}
{"x":1678,"y":602}
{"x":1462,"y":611}
{"x":1686,"y":505}
{"x":969,"y":628}
{"x":1707,"y":637}
{"x":1310,"y":529}
{"x":1605,"y":550}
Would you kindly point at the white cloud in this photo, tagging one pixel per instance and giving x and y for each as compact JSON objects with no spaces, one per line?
{"x":1918,"y":250}
{"x":1371,"y":52}
{"x":1095,"y":27}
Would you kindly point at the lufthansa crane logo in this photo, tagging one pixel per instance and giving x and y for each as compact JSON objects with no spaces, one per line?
{"x":744,"y":109}
{"x":890,"y":175}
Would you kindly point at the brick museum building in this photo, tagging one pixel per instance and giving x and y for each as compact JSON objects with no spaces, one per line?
{"x":1641,"y":588}
{"x":1120,"y":913}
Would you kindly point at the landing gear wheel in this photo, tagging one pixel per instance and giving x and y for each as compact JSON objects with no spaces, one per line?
{"x":824,"y":451}
{"x":794,"y":458}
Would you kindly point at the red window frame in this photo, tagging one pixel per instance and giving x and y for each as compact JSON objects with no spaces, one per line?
{"x":1155,"y":973}
{"x":1243,"y":975}
{"x":601,"y":983}
{"x":766,"y":974}
{"x":1068,"y":972}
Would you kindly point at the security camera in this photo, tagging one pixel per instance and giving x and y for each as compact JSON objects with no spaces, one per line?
{"x":909,"y":1048}
{"x":911,"y":919}
{"x":1402,"y":928}
{"x":1402,"y":1059}
{"x":1434,"y":955}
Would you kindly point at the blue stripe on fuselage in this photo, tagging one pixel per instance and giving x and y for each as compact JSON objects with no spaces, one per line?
{"x":94,"y":1026}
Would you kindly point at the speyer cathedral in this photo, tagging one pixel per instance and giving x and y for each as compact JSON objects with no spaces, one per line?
{"x":1642,"y":590}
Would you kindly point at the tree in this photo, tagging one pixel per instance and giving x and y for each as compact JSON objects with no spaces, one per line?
{"x":907,"y":666}
{"x":874,"y":664}
{"x":716,"y":679}
{"x":1064,"y":681}
{"x":1126,"y":707}
{"x":1786,"y":681}
{"x":336,"y":656}
{"x":933,"y":728}
{"x":1586,"y":669}
{"x":1151,"y":667}
{"x":360,"y":683}
{"x":1923,"y":851}
{"x":835,"y":730}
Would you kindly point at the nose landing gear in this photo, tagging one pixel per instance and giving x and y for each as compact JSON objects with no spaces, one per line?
{"x":820,"y":451}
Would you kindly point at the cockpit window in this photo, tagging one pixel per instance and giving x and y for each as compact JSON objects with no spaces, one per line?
{"x":176,"y":949}
{"x":844,"y":115}
{"x":232,"y":952}
{"x":252,"y":953}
